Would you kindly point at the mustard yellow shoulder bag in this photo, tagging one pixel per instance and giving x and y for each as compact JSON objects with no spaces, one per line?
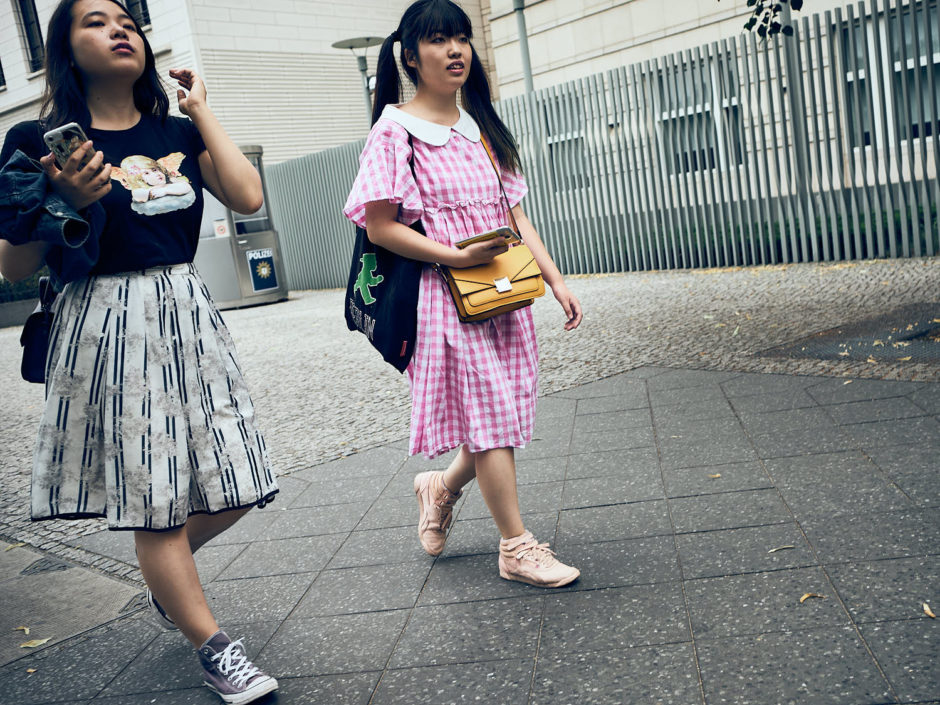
{"x":511,"y":280}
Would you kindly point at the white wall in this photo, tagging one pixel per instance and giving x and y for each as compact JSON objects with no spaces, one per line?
{"x":570,"y":39}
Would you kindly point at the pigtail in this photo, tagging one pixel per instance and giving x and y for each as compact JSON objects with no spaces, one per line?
{"x":477,"y":101}
{"x":387,"y":81}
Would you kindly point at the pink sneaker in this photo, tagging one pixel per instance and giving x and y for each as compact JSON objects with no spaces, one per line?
{"x":435,"y":507}
{"x":524,"y":559}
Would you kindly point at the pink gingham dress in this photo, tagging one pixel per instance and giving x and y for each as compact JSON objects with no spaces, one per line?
{"x":471,"y":383}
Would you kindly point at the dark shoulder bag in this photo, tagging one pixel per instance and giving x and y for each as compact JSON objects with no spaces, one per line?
{"x":35,"y":335}
{"x":382,"y":296}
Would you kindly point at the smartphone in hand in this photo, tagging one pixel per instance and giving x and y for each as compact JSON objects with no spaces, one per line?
{"x":508,"y":233}
{"x":62,"y":141}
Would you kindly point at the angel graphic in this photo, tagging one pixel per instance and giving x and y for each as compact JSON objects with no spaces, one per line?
{"x":156,"y":185}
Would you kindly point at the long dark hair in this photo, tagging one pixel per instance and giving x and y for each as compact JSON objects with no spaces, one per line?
{"x":63,"y":99}
{"x":422,"y":20}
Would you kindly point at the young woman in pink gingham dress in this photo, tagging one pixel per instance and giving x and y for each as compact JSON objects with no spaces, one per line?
{"x":473,"y":385}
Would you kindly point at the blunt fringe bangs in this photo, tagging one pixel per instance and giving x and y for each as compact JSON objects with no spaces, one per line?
{"x":422,"y":20}
{"x":63,"y":98}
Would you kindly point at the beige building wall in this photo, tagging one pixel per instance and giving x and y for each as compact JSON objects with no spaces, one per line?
{"x":272,"y":75}
{"x":571,"y":39}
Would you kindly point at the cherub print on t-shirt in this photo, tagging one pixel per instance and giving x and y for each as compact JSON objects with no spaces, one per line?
{"x":156,"y":185}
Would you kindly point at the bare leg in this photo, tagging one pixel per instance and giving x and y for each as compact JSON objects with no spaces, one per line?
{"x":202,"y":528}
{"x":166,"y":562}
{"x":461,"y":470}
{"x":496,"y":476}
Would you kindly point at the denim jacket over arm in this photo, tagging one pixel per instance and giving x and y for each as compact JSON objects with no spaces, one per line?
{"x":31,"y":211}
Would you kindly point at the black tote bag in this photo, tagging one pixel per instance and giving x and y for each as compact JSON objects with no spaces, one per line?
{"x":382,"y":299}
{"x":382,"y":294}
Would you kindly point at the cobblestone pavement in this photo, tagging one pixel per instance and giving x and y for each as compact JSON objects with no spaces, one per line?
{"x":321,"y":392}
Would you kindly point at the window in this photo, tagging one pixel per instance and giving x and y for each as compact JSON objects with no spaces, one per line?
{"x":913,"y":70}
{"x":910,"y":68}
{"x":856,"y":90}
{"x":700,"y":116}
{"x":566,"y":146}
{"x":139,"y":11}
{"x":3,"y":80}
{"x":32,"y":34}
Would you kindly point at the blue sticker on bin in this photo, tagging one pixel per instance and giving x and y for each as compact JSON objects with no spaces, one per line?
{"x":261,"y":264}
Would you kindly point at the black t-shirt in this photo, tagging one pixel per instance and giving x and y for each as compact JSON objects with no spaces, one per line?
{"x":154,"y":208}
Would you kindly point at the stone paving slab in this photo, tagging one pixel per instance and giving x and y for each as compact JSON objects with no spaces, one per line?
{"x":691,"y":587}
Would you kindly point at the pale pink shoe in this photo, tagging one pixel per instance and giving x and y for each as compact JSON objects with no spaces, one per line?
{"x":524,"y":559}
{"x":435,"y":510}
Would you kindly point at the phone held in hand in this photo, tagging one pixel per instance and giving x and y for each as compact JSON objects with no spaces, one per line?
{"x":507,"y":233}
{"x":62,"y":141}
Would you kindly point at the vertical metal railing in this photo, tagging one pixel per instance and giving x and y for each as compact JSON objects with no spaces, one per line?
{"x":818,"y":147}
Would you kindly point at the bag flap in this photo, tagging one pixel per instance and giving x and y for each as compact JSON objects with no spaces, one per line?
{"x":517,"y":263}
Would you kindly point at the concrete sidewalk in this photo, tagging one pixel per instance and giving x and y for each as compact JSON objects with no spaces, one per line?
{"x":700,"y":506}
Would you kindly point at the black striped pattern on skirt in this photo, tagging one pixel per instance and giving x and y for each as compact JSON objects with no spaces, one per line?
{"x":147,"y":417}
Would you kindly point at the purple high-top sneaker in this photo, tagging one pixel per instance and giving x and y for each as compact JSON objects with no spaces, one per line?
{"x":228,"y":672}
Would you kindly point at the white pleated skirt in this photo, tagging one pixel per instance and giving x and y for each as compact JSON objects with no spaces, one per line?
{"x":147,"y":417}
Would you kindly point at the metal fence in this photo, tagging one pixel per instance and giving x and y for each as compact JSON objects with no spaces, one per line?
{"x":821,"y":146}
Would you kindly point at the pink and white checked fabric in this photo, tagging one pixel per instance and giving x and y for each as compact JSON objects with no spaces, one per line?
{"x":473,"y":383}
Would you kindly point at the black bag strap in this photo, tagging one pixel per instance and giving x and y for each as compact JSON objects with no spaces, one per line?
{"x":47,"y":293}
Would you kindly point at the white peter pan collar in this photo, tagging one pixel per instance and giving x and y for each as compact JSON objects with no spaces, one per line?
{"x":431,"y":132}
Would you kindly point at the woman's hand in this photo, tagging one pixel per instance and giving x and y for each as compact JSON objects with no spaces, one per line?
{"x":194,"y":95}
{"x":79,"y":186}
{"x":570,"y":303}
{"x":479,"y":253}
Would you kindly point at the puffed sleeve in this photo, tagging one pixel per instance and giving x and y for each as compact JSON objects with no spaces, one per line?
{"x":515,"y":185}
{"x":385,"y":175}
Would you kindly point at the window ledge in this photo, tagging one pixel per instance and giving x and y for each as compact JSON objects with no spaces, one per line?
{"x":35,"y":74}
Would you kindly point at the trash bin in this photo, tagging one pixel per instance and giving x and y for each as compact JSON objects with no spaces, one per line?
{"x":239,"y":256}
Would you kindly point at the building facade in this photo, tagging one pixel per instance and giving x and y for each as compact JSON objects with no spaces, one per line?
{"x":273,"y":77}
{"x":571,"y":39}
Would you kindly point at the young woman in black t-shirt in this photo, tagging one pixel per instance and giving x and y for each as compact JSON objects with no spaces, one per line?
{"x":147,"y":419}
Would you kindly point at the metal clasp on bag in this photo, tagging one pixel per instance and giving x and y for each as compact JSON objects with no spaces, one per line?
{"x":502,"y":285}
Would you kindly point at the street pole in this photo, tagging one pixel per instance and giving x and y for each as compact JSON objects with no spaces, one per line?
{"x":364,"y":70}
{"x":519,"y":8}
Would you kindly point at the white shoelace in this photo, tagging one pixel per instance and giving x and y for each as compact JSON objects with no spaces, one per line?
{"x":234,"y":664}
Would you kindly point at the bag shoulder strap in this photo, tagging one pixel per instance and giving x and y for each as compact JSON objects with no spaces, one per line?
{"x":502,"y":189}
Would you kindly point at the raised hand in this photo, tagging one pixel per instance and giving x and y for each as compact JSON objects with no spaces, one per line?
{"x":79,"y":186}
{"x":192,"y":92}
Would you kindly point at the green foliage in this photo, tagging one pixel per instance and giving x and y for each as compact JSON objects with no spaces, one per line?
{"x":765,"y":17}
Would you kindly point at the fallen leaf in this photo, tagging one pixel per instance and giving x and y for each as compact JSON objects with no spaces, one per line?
{"x":708,"y":316}
{"x":871,"y":359}
{"x":736,"y":328}
{"x":904,"y":359}
{"x":809,"y":595}
{"x":928,"y":612}
{"x":936,"y":320}
{"x":878,"y":342}
{"x":25,"y":630}
{"x":844,"y":353}
{"x":780,"y":548}
{"x":848,"y":381}
{"x":12,"y":546}
{"x":30,"y":670}
{"x":910,"y":326}
{"x":901,"y":344}
{"x":720,"y":325}
{"x":33,"y":643}
{"x":715,"y":476}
